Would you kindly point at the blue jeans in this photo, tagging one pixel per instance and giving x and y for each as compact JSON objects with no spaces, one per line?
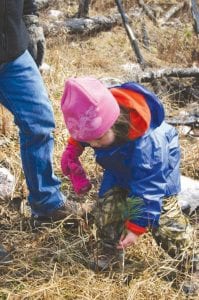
{"x":23,"y":93}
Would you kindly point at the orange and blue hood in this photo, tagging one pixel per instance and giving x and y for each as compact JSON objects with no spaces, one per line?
{"x":145,"y":109}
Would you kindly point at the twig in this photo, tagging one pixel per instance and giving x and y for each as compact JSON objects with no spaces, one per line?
{"x":145,"y":36}
{"x":148,"y":11}
{"x":170,"y":13}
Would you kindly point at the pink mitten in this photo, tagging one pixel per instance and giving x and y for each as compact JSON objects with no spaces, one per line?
{"x":72,"y":168}
{"x":79,"y":181}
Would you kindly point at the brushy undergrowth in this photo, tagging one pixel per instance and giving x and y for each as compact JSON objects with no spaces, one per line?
{"x":52,"y":263}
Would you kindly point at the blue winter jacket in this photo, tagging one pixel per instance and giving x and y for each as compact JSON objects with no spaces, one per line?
{"x":148,"y":166}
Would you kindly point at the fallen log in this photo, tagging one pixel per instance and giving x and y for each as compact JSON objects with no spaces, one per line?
{"x":83,"y":26}
{"x":174,"y":72}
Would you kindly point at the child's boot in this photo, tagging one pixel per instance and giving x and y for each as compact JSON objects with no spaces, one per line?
{"x":179,"y":239}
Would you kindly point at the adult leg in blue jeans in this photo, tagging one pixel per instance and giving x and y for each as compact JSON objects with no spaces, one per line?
{"x":23,"y":93}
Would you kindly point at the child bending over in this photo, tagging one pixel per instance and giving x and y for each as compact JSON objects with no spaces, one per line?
{"x":140,"y":155}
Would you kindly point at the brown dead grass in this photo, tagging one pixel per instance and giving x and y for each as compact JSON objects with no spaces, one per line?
{"x":50,"y":264}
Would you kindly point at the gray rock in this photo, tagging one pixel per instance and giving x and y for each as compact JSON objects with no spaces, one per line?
{"x":188,"y":198}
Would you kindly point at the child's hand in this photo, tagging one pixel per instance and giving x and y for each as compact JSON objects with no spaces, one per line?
{"x":80,"y":183}
{"x":127,"y":239}
{"x":72,"y":168}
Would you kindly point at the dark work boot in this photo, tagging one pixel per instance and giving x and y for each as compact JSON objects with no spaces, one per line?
{"x":70,"y":210}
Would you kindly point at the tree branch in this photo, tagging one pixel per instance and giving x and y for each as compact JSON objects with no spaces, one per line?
{"x":170,"y":13}
{"x":175,"y":72}
{"x":148,"y":11}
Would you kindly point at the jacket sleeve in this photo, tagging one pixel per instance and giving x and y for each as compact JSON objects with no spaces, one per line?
{"x":138,"y":230}
{"x":149,"y":217}
{"x":30,"y":7}
{"x":108,"y":182}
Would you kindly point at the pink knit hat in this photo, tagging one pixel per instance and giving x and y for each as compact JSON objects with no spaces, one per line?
{"x":88,"y":107}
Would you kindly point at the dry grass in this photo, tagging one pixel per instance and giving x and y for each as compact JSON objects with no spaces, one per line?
{"x":50,"y":264}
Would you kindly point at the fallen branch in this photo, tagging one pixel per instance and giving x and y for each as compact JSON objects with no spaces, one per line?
{"x":83,"y":26}
{"x":131,"y":35}
{"x":148,"y":11}
{"x":175,"y":72}
{"x":94,"y":24}
{"x":174,"y":9}
{"x":145,"y":37}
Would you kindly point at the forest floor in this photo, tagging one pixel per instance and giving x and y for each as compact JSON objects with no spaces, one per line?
{"x":52,"y":263}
